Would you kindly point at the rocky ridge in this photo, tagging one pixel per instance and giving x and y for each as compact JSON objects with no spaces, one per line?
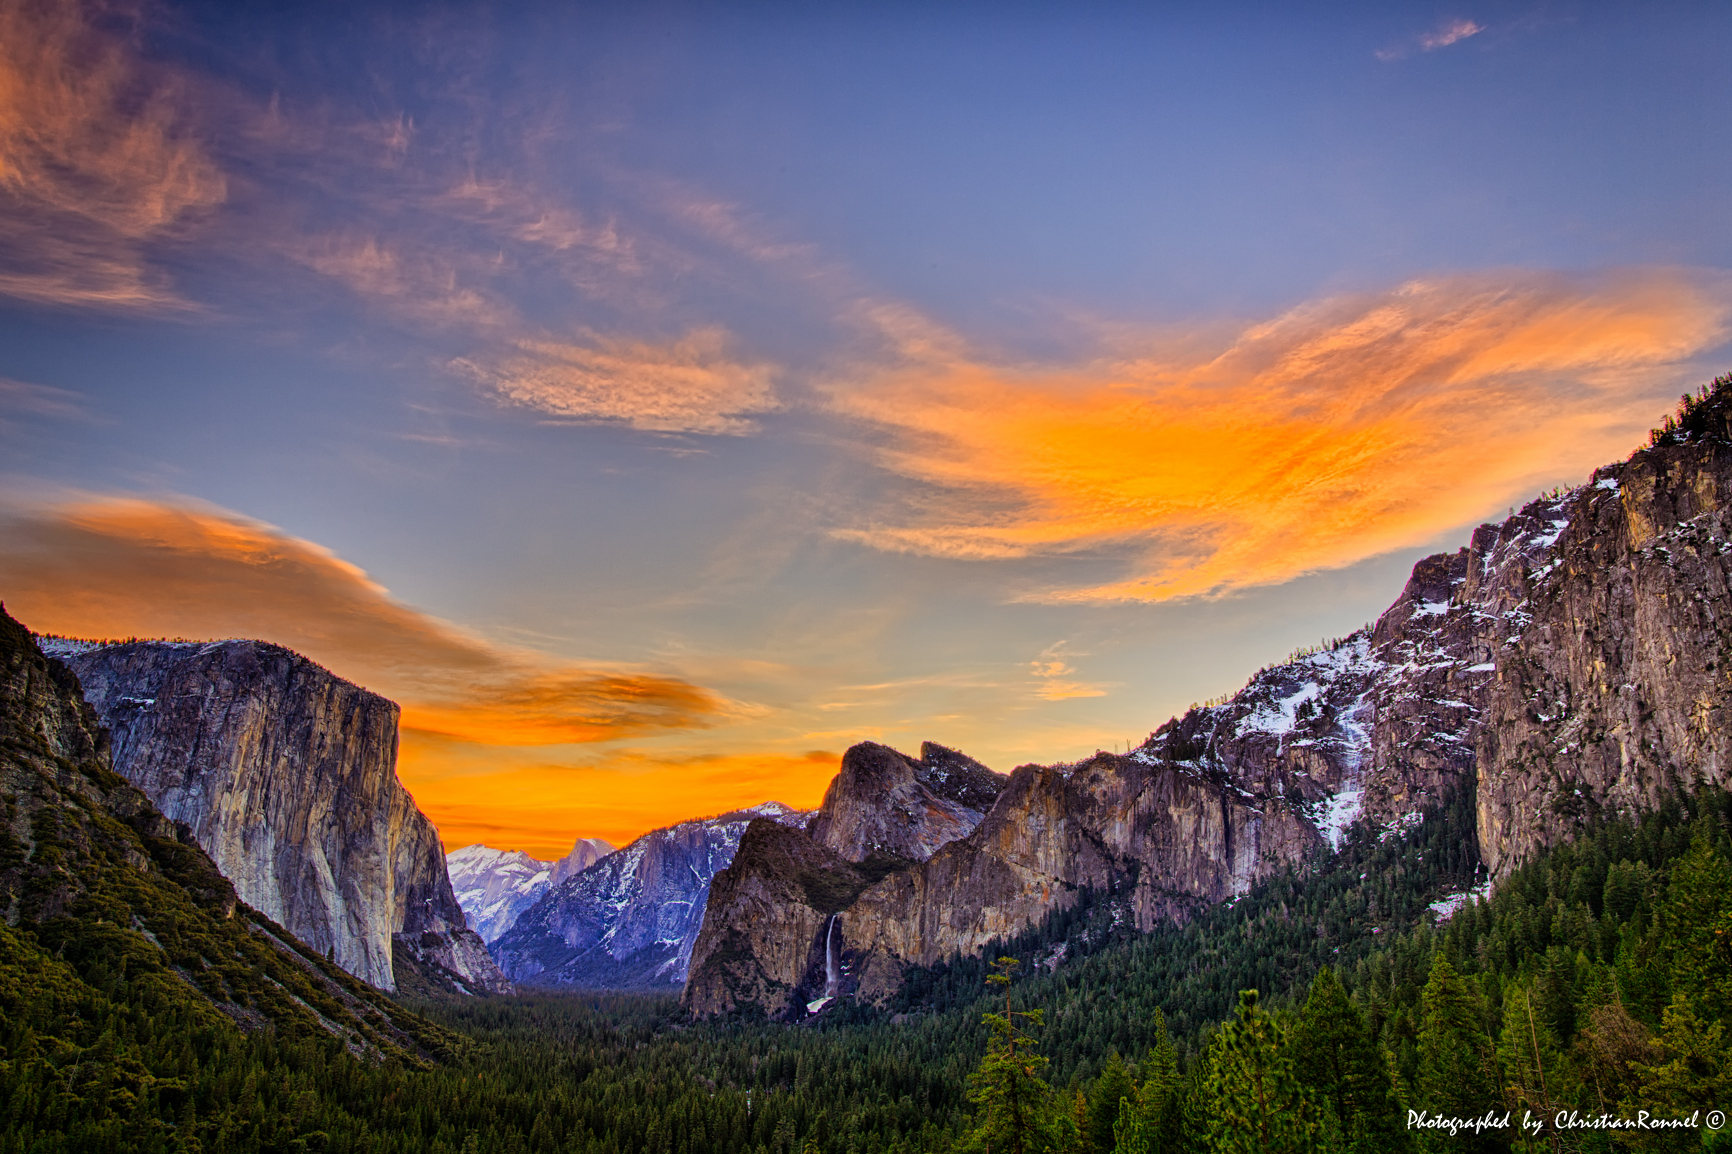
{"x":585,"y":852}
{"x":494,"y":886}
{"x":884,"y":803}
{"x":1571,"y":659}
{"x":631,"y":919}
{"x":286,"y":775}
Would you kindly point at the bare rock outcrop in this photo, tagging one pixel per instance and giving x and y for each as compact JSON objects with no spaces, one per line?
{"x":1613,"y":679}
{"x":286,"y":775}
{"x":87,"y":862}
{"x":1173,"y":837}
{"x":585,"y":852}
{"x":766,"y":937}
{"x":886,"y":803}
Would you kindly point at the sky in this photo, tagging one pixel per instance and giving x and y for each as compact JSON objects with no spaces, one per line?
{"x":656,"y":399}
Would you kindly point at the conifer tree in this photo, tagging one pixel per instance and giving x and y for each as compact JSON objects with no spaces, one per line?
{"x":1456,"y":1076}
{"x":1256,"y":1102}
{"x":1337,"y":1058}
{"x":1112,"y":1087}
{"x":1696,"y":1073}
{"x":1007,"y":1085}
{"x":1152,"y":1120}
{"x":1535,"y":1075}
{"x":1696,"y":928}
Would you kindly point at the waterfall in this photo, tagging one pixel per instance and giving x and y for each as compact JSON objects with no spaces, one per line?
{"x":831,"y":974}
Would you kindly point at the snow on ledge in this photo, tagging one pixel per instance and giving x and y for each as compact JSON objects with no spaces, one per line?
{"x":1446,"y":907}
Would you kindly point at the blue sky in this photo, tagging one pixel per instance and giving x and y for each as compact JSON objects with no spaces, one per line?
{"x":655,"y":400}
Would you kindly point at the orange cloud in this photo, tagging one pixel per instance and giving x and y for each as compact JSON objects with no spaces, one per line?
{"x":129,"y":567}
{"x":1340,"y":430}
{"x":689,"y":386}
{"x":96,"y":162}
{"x":540,"y":808}
{"x":1054,"y":674}
{"x":427,"y":288}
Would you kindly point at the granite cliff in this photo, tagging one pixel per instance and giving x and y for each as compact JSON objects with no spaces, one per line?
{"x":104,"y":895}
{"x":792,"y":922}
{"x":1571,"y":659}
{"x":286,"y":776}
{"x":631,"y":919}
{"x":885,"y":803}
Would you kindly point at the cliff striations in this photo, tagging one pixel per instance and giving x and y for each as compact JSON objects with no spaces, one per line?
{"x":286,"y":775}
{"x":1171,"y":836}
{"x":631,"y":919}
{"x":105,"y":897}
{"x":1571,"y":659}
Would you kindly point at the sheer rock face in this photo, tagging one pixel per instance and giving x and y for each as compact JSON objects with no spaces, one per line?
{"x":286,"y":775}
{"x":55,"y":777}
{"x":585,"y":852}
{"x":1613,"y":682}
{"x":1576,"y":657}
{"x":631,"y":919}
{"x":1174,"y":837}
{"x":764,"y":937}
{"x":884,"y":802}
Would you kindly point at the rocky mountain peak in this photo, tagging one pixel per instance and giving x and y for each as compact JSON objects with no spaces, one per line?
{"x":885,"y":803}
{"x":632,"y":917}
{"x":585,"y":852}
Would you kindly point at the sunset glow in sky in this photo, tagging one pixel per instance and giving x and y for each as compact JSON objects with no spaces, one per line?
{"x":656,"y":399}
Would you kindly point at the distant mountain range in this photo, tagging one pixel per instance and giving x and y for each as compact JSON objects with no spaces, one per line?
{"x":631,"y":919}
{"x":494,"y":885}
{"x":1571,"y":661}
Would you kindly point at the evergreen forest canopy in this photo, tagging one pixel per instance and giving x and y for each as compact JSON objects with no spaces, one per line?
{"x":1598,"y":978}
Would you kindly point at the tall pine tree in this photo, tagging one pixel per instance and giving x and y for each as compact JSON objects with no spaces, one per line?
{"x":1256,"y":1102}
{"x":1338,"y":1059}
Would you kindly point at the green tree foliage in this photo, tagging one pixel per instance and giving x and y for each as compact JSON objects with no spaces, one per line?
{"x":1457,"y":1076}
{"x":1339,"y":1060}
{"x":1112,"y":1089}
{"x":1601,"y":955}
{"x":1256,"y":1102}
{"x":1015,"y":1106}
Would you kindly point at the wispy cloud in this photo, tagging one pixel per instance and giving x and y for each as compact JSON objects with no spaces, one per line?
{"x":1337,"y":431}
{"x":1446,"y":33}
{"x":692,"y":385}
{"x":119,"y":567}
{"x":426,"y":287}
{"x":1056,"y":676}
{"x":25,"y":399}
{"x":97,"y":161}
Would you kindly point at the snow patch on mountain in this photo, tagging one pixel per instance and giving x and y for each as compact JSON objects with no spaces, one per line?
{"x":495,"y":886}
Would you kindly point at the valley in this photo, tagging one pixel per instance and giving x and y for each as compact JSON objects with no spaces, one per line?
{"x":1476,"y":856}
